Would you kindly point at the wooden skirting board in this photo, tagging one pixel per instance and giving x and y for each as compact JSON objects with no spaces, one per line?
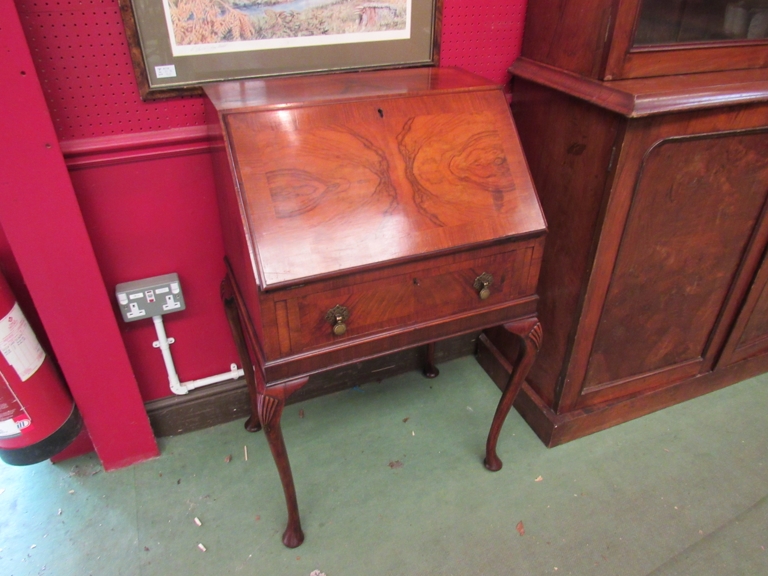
{"x":228,"y":401}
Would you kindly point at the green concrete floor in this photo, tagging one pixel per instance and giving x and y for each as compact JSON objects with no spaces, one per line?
{"x":681,"y":491}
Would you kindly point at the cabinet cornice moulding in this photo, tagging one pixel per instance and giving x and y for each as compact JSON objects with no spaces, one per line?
{"x":651,"y":96}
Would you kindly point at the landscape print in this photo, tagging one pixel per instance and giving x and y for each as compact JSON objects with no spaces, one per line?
{"x":214,"y":26}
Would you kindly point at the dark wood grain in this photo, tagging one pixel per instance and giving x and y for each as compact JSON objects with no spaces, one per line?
{"x":655,"y":190}
{"x":749,"y":336}
{"x":385,"y":212}
{"x":361,"y":187}
{"x":568,"y":34}
{"x":695,"y":207}
{"x":353,"y":350}
{"x":437,"y":33}
{"x":756,"y":329}
{"x":595,"y":39}
{"x":301,"y":91}
{"x":426,"y":293}
{"x":641,"y":64}
{"x":529,"y":333}
{"x":253,"y":424}
{"x":270,"y":410}
{"x":652,"y":176}
{"x":569,"y":145}
{"x":652,"y":96}
{"x":554,"y":429}
{"x":640,"y":138}
{"x":430,"y":370}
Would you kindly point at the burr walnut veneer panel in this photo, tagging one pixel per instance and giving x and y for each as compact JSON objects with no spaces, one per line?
{"x":695,"y":207}
{"x":375,"y":181}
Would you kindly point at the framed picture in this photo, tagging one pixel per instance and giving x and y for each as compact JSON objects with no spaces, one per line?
{"x":179,"y":44}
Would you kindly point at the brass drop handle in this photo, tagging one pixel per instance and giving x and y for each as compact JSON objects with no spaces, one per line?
{"x":482,"y":284}
{"x":337,"y":316}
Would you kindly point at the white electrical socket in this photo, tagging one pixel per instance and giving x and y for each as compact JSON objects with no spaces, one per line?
{"x":150,"y":297}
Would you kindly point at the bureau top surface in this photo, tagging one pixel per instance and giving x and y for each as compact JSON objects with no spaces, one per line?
{"x":379,"y":175}
{"x":284,"y":92}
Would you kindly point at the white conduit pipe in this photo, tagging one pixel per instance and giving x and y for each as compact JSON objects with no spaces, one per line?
{"x":177,"y":387}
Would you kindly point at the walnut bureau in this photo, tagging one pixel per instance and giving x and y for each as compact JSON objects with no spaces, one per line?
{"x":366,"y":213}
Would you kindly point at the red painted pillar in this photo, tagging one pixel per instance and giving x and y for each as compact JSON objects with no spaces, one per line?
{"x":42,"y":221}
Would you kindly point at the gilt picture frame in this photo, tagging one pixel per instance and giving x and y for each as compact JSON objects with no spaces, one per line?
{"x":178,"y":45}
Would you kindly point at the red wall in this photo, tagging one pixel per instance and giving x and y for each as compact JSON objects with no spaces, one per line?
{"x":141,"y":171}
{"x":51,"y":250}
{"x":153,"y":216}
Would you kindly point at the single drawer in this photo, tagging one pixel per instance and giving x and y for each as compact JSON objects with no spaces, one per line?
{"x":411,"y":295}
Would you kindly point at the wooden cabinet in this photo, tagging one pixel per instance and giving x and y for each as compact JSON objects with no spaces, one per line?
{"x":389,"y":193}
{"x":653,"y":284}
{"x":364,"y":214}
{"x":620,"y":39}
{"x":690,"y":192}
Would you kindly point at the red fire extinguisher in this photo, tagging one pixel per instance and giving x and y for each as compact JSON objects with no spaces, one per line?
{"x":38,"y":417}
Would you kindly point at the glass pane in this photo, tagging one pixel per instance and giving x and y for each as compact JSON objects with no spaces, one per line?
{"x":679,"y":21}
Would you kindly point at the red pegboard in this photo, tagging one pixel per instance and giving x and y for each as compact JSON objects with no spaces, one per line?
{"x":482,"y":36}
{"x":84,"y":66}
{"x":82,"y":58}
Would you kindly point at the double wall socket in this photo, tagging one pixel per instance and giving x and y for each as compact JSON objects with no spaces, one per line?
{"x":154,"y":296}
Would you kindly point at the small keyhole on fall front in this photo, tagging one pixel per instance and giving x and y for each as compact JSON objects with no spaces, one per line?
{"x":381,"y":113}
{"x":416,"y":282}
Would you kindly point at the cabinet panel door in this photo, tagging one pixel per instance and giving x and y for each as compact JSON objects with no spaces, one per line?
{"x":695,"y":209}
{"x":750,"y":333}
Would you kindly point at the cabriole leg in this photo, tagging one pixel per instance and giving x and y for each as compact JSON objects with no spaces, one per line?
{"x":530,"y":333}
{"x":267,"y":405}
{"x":270,"y":412}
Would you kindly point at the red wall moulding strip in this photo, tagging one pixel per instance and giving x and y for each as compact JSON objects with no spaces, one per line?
{"x":124,"y":148}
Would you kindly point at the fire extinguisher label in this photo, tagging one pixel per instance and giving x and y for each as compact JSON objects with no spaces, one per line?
{"x":19,"y":344}
{"x":14,"y":420}
{"x":15,"y":426}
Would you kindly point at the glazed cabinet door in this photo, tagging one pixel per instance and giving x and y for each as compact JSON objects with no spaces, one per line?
{"x":666,"y":286}
{"x":669,"y":37}
{"x":622,"y":39}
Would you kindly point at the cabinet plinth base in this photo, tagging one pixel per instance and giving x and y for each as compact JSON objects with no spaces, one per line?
{"x":555,"y":429}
